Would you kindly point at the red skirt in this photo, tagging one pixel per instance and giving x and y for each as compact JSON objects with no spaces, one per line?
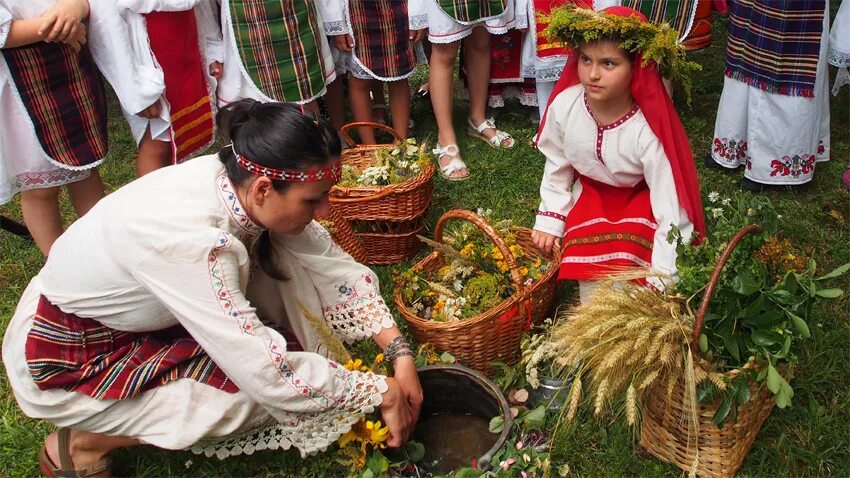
{"x":609,"y":230}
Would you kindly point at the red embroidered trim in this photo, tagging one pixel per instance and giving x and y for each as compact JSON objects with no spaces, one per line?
{"x":333,"y":172}
{"x":552,"y":214}
{"x":601,"y":129}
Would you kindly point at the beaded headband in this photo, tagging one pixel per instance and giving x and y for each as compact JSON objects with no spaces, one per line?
{"x":333,"y":172}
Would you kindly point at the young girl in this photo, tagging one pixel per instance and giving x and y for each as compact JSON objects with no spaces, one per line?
{"x":162,"y":65}
{"x":773,"y":116}
{"x":52,"y":112}
{"x":619,"y":171}
{"x":379,"y":48}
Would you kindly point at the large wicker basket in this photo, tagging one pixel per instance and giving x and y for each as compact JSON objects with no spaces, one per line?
{"x":668,"y":433}
{"x":493,"y":335}
{"x":383,"y":220}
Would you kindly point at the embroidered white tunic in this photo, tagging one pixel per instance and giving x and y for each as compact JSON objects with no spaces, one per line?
{"x":23,"y":162}
{"x":173,"y":248}
{"x":118,"y":39}
{"x":621,"y":154}
{"x":839,"y":46}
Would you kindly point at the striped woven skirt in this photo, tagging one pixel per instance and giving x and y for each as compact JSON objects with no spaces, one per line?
{"x":471,"y":11}
{"x":381,"y":44}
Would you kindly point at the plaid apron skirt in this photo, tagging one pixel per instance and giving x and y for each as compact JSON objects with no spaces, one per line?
{"x":774,"y":45}
{"x":174,"y":42}
{"x":280,"y":45}
{"x":78,"y":354}
{"x":471,"y":11}
{"x":381,"y":42}
{"x":542,"y":9}
{"x":64,"y":96}
{"x":610,"y":229}
{"x":678,"y":13}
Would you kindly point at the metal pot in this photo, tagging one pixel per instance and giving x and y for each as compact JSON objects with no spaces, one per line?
{"x":460,"y":390}
{"x":552,"y":392}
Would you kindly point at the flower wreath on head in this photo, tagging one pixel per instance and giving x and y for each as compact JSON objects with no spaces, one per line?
{"x":659,"y":44}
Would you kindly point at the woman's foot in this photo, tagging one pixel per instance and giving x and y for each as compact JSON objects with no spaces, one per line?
{"x":487,"y":132}
{"x":61,"y":454}
{"x":450,"y":163}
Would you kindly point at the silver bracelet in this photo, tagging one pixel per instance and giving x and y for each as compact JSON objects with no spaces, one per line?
{"x":398,"y":347}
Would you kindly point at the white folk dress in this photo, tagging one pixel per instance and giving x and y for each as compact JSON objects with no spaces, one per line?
{"x":839,"y":46}
{"x":623,"y":155}
{"x":172,"y":248}
{"x":120,"y":45}
{"x":443,"y":28}
{"x":23,"y":162}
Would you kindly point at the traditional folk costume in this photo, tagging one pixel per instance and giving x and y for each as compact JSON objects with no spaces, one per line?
{"x":839,"y":46}
{"x":152,"y":320}
{"x":52,"y":109}
{"x":773,"y":116}
{"x":161,"y":50}
{"x":451,"y":20}
{"x":277,"y":50}
{"x":614,"y":192}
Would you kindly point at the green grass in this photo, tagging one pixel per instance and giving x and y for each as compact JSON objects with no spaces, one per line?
{"x":811,"y":438}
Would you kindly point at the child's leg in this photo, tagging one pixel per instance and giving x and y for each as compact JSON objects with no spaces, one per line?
{"x":477,"y":64}
{"x":441,"y":84}
{"x":40,"y":208}
{"x":379,"y":103}
{"x":544,"y":91}
{"x":400,"y":104}
{"x":361,"y":106}
{"x":86,"y":193}
{"x":153,"y":154}
{"x":335,"y":102}
{"x":586,"y":289}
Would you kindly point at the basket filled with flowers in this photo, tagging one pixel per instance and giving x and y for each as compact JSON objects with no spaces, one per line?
{"x":481,"y":287}
{"x":384,"y":194}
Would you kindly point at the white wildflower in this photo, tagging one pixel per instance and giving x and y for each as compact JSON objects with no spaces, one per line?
{"x":713,"y":196}
{"x":726,"y":202}
{"x":188,"y":463}
{"x":716,"y":212}
{"x":411,"y":150}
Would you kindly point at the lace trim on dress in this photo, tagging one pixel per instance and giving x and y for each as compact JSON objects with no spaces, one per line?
{"x":336,"y":28}
{"x":308,"y":432}
{"x":47,"y":179}
{"x":359,"y":311}
{"x":838,"y":58}
{"x":418,"y":22}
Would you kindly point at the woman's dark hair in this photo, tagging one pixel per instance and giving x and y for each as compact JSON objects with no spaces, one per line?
{"x":275,"y":135}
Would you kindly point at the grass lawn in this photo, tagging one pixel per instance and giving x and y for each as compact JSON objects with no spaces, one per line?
{"x":812,"y":437}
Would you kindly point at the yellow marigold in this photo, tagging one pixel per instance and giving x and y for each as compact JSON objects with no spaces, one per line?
{"x":538,"y":262}
{"x":497,"y":254}
{"x":502,"y":265}
{"x":379,"y":358}
{"x":523,"y":271}
{"x":378,"y":435}
{"x":356,"y":366}
{"x":467,"y":250}
{"x":439,"y":305}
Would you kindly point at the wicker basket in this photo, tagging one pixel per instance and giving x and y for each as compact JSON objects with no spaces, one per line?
{"x":493,"y":335}
{"x":665,"y":430}
{"x":383,"y":220}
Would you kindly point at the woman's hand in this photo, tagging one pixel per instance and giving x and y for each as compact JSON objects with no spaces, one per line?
{"x":396,"y":414}
{"x":63,"y":20}
{"x":405,"y":374}
{"x":545,"y":242}
{"x":151,"y":111}
{"x":416,"y":36}
{"x":343,"y":43}
{"x":216,"y":69}
{"x":77,"y":39}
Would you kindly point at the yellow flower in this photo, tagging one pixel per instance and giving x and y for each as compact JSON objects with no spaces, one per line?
{"x":378,"y":435}
{"x":502,"y":265}
{"x":523,"y":271}
{"x":538,"y":262}
{"x":497,"y":254}
{"x":379,"y":358}
{"x":347,"y":437}
{"x":439,"y":305}
{"x":467,"y":250}
{"x":356,"y":366}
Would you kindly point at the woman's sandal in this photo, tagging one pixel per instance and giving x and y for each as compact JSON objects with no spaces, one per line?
{"x":456,"y":164}
{"x":101,"y":469}
{"x":497,"y":140}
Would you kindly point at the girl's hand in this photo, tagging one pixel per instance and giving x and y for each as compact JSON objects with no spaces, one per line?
{"x":545,"y":242}
{"x":63,"y":19}
{"x":396,"y":414}
{"x":77,"y":39}
{"x":405,"y":374}
{"x":216,"y":69}
{"x":417,"y":36}
{"x":343,"y":43}
{"x":151,"y":111}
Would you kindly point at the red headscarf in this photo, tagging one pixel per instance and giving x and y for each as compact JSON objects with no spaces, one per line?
{"x":648,"y":92}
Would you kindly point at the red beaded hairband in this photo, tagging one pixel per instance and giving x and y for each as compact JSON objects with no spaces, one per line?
{"x":333,"y":172}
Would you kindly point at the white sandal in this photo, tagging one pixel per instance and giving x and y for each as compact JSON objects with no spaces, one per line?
{"x":456,"y":164}
{"x":497,"y":139}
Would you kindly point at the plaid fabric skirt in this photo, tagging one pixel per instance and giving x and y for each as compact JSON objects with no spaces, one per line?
{"x":174,"y":42}
{"x":470,"y":11}
{"x":280,"y":45}
{"x":610,"y":229}
{"x":542,"y":9}
{"x":82,"y":355}
{"x":64,"y":96}
{"x":678,"y":13}
{"x":381,"y":39}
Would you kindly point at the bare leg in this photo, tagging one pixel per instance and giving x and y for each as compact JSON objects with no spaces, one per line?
{"x":312,"y":106}
{"x":153,"y":154}
{"x":379,"y":102}
{"x":335,"y":101}
{"x":361,"y":106}
{"x":441,"y":84}
{"x":477,"y":63}
{"x":40,"y":208}
{"x":86,"y":193}
{"x":87,"y":448}
{"x":400,"y":104}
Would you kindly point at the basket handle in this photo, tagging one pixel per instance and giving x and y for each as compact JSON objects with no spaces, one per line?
{"x":699,"y":320}
{"x":340,"y":195}
{"x":344,"y":131}
{"x":491,"y":233}
{"x":345,"y":235}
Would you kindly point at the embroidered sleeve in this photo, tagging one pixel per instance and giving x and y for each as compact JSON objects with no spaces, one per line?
{"x":348,"y":292}
{"x":558,"y":174}
{"x":417,"y":14}
{"x":5,"y":25}
{"x":307,"y":394}
{"x":664,"y":200}
{"x":522,"y":13}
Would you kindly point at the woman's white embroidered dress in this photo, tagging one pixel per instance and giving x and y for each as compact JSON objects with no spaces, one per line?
{"x":174,"y":248}
{"x":839,"y":46}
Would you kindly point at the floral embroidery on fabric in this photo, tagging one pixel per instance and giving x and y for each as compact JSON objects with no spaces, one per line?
{"x":238,"y":215}
{"x":794,"y":166}
{"x":359,"y":310}
{"x":821,"y":147}
{"x":730,"y":149}
{"x":555,"y":215}
{"x":220,"y":287}
{"x":601,"y":129}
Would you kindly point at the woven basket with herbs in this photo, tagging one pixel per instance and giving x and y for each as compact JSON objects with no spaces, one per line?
{"x":474,"y":295}
{"x":384,"y":194}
